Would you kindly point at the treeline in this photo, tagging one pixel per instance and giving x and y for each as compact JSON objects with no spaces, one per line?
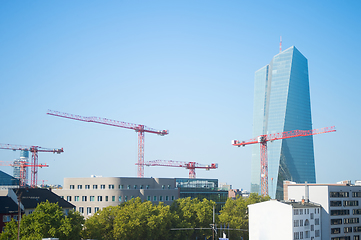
{"x":137,"y":220}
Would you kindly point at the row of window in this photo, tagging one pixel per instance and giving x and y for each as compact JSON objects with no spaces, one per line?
{"x":345,"y":212}
{"x":345,"y":203}
{"x":344,"y":194}
{"x":120,"y":198}
{"x":338,"y":221}
{"x":111,"y":186}
{"x":307,"y":211}
{"x":88,"y":210}
{"x":356,"y":237}
{"x":7,"y":218}
{"x":346,"y":230}
{"x":299,"y":223}
{"x":306,"y":234}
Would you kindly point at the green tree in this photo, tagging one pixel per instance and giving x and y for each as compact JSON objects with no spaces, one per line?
{"x":47,"y":221}
{"x":193,"y":213}
{"x":235,"y":214}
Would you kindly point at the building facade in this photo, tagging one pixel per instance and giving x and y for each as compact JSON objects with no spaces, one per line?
{"x":282,"y":103}
{"x":284,"y":220}
{"x":341,"y":210}
{"x":90,"y":195}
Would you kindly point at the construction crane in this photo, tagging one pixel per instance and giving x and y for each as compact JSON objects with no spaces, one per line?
{"x":188,"y":165}
{"x":141,"y":129}
{"x":22,"y":165}
{"x":34,"y":159}
{"x":263,"y":139}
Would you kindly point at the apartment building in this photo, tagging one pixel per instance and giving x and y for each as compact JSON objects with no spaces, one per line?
{"x":90,"y":195}
{"x":340,"y":202}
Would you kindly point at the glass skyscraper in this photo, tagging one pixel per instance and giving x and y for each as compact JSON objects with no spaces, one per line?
{"x":282,"y":103}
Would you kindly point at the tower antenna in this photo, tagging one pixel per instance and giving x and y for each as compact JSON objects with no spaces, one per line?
{"x":280,"y":43}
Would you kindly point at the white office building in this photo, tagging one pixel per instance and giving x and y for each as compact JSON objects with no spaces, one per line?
{"x":278,"y":220}
{"x":90,"y":195}
{"x":340,"y":203}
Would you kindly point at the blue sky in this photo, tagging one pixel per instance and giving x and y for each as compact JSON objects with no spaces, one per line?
{"x":185,"y":66}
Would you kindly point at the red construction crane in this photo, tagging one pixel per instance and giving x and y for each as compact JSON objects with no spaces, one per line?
{"x":263,"y":139}
{"x":34,"y":159}
{"x":188,"y":165}
{"x":22,"y":165}
{"x":141,"y":129}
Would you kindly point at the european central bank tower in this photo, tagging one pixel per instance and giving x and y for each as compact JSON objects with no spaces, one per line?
{"x":282,"y":103}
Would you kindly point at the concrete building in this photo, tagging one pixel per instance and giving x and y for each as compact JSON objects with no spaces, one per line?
{"x":95,"y":193}
{"x":340,"y":202}
{"x":275,"y":220}
{"x":282,"y":103}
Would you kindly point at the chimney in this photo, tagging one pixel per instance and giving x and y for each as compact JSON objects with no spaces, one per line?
{"x":306,"y":192}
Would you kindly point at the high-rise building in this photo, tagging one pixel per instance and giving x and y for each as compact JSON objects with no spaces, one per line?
{"x":282,"y":103}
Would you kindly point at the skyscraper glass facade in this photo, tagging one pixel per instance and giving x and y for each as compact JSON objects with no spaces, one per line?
{"x":282,"y":103}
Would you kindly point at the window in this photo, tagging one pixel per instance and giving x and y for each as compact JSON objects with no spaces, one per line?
{"x":15,"y":217}
{"x":317,"y":221}
{"x":350,"y":203}
{"x":308,"y":211}
{"x":141,"y":186}
{"x":76,"y":198}
{"x":71,"y":186}
{"x":356,"y":194}
{"x":81,"y":209}
{"x":350,"y":220}
{"x":68,"y":198}
{"x":121,"y":186}
{"x":113,"y":198}
{"x":125,"y":198}
{"x":335,"y":230}
{"x":80,"y":186}
{"x":111,"y":186}
{"x":154,"y":198}
{"x":356,"y":237}
{"x":336,"y":221}
{"x":335,"y":203}
{"x":83,"y":198}
{"x":340,"y":212}
{"x":169,"y":186}
{"x":92,"y":198}
{"x":120,"y":198}
{"x":106,"y":198}
{"x":102,"y":186}
{"x":128,"y":186}
{"x":95,"y":186}
{"x":339,"y":194}
{"x":131,"y":197}
{"x":296,"y":235}
{"x":307,"y":233}
{"x":88,"y":210}
{"x":301,"y":211}
{"x":341,"y":238}
{"x":301,"y":223}
{"x":312,"y":228}
{"x":311,"y":216}
{"x":147,"y":187}
{"x":295,"y":212}
{"x":317,"y":233}
{"x":301,"y":235}
{"x":96,"y":209}
{"x":347,"y":229}
{"x":160,"y":198}
{"x":87,"y":186}
{"x":357,"y":229}
{"x":148,"y":198}
{"x":135,"y":186}
{"x":6,"y":218}
{"x":356,"y":211}
{"x":296,"y":223}
{"x":172,"y":198}
{"x":307,"y":223}
{"x":100,"y":198}
{"x":167,"y":198}
{"x":163,"y":187}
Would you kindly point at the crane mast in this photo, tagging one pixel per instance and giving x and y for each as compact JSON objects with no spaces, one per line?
{"x":140,"y":129}
{"x":263,"y":139}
